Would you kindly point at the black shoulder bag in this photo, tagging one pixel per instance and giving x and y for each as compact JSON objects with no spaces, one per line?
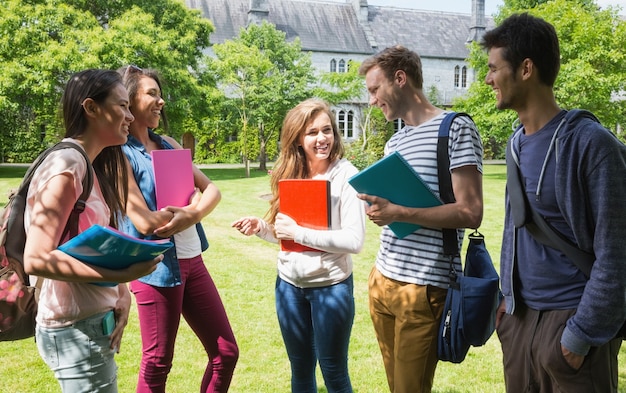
{"x":469,"y":315}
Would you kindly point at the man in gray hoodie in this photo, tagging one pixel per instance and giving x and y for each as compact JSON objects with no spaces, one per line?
{"x":557,"y":325}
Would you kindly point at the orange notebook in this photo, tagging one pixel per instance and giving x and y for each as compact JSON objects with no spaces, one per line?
{"x":307,"y":201}
{"x":173,"y":177}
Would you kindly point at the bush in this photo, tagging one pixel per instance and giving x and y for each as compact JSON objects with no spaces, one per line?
{"x":358,"y":157}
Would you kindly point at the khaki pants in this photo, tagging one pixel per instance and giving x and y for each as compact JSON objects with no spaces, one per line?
{"x":406,"y":320}
{"x":533,"y":362}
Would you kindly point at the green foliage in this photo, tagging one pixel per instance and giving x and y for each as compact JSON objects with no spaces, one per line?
{"x":263,"y":76}
{"x":37,"y":49}
{"x":433,"y":95}
{"x":593,"y":59}
{"x":520,"y":5}
{"x":593,"y":68}
{"x":359,"y":157}
{"x":494,"y":125}
{"x":43,"y":42}
{"x":336,"y":87}
{"x":369,"y":146}
{"x":214,"y":142}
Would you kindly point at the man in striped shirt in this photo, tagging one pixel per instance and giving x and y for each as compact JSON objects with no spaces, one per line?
{"x":408,"y":284}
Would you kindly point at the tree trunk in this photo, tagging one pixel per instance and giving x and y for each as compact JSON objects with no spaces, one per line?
{"x":262,"y":151}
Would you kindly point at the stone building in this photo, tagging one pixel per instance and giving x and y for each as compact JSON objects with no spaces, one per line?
{"x":335,"y":33}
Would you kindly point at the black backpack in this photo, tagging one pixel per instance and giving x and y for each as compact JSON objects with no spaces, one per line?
{"x":18,"y":297}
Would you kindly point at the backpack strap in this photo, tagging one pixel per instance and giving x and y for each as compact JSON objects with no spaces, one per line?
{"x":15,"y":244}
{"x":72,"y":223}
{"x":450,"y":241}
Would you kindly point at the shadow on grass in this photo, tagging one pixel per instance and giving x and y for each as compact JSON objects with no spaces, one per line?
{"x":494,"y":176}
{"x":12,"y":171}
{"x":233,"y":173}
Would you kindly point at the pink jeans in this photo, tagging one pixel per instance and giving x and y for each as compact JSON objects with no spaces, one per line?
{"x":198,"y":301}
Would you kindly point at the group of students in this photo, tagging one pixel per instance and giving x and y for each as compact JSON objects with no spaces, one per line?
{"x":556,"y":327}
{"x":111,"y":115}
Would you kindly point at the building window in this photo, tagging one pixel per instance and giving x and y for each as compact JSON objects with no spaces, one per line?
{"x":350,"y":125}
{"x":333,"y":65}
{"x":341,"y":122}
{"x":342,"y":66}
{"x":345,"y":124}
{"x":456,"y":76}
{"x":464,"y":77}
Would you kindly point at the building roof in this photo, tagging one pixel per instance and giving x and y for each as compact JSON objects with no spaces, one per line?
{"x":334,"y":27}
{"x":429,"y":33}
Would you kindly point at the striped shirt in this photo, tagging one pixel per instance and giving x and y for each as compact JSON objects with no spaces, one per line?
{"x":418,"y":258}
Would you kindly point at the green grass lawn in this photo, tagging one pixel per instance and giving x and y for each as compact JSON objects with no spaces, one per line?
{"x":245,"y":272}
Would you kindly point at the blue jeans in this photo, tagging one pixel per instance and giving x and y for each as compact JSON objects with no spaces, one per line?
{"x":80,"y":356}
{"x":316,"y":324}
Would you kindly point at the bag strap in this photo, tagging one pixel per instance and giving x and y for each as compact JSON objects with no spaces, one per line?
{"x":71,"y":226}
{"x":446,"y":193}
{"x":72,"y":223}
{"x":81,"y":203}
{"x":450,"y":242}
{"x":525,"y":216}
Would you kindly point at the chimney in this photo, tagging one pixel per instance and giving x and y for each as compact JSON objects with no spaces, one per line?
{"x":361,"y":9}
{"x":259,"y":11}
{"x":477,"y":25}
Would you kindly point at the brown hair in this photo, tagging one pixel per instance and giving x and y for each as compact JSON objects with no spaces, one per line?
{"x":393,"y":59}
{"x":130,"y":77}
{"x":110,"y":164}
{"x":291,"y":163}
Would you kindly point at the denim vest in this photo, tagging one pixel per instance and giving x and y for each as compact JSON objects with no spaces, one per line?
{"x":167,"y":273}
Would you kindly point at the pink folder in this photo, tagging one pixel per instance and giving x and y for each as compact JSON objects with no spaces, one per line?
{"x":173,"y":177}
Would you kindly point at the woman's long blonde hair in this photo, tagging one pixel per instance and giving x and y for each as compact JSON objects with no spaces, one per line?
{"x":291,"y":163}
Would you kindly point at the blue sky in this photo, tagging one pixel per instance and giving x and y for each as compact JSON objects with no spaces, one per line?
{"x":464,"y":6}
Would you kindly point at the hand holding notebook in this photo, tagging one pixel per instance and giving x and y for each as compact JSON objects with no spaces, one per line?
{"x":393,"y":178}
{"x":107,"y":247}
{"x":307,"y":201}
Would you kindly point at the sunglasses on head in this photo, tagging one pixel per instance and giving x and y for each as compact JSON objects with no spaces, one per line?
{"x":131,"y":69}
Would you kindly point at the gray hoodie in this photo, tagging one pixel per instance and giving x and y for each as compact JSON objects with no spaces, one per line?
{"x":590,"y":184}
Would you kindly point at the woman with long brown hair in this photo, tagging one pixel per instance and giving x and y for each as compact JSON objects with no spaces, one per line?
{"x":314,"y":289}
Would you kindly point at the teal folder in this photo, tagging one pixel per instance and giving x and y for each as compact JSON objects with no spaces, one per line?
{"x":393,"y":178}
{"x":107,"y":247}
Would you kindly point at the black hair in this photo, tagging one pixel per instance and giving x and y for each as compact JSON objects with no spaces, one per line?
{"x":523,"y":36}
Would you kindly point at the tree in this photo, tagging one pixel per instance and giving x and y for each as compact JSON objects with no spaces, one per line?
{"x":369,"y":146}
{"x":39,"y":46}
{"x":593,"y":68}
{"x":264,"y":76}
{"x":45,"y":41}
{"x":337,"y":87}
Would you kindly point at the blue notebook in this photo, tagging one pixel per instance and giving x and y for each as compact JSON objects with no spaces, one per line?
{"x":107,"y":247}
{"x":393,"y":178}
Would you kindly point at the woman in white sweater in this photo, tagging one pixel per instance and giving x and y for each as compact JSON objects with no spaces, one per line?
{"x":314,"y":289}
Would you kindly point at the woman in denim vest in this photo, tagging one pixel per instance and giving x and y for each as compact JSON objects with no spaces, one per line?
{"x":181,"y":284}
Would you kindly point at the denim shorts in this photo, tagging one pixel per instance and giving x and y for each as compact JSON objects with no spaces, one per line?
{"x":80,"y":356}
